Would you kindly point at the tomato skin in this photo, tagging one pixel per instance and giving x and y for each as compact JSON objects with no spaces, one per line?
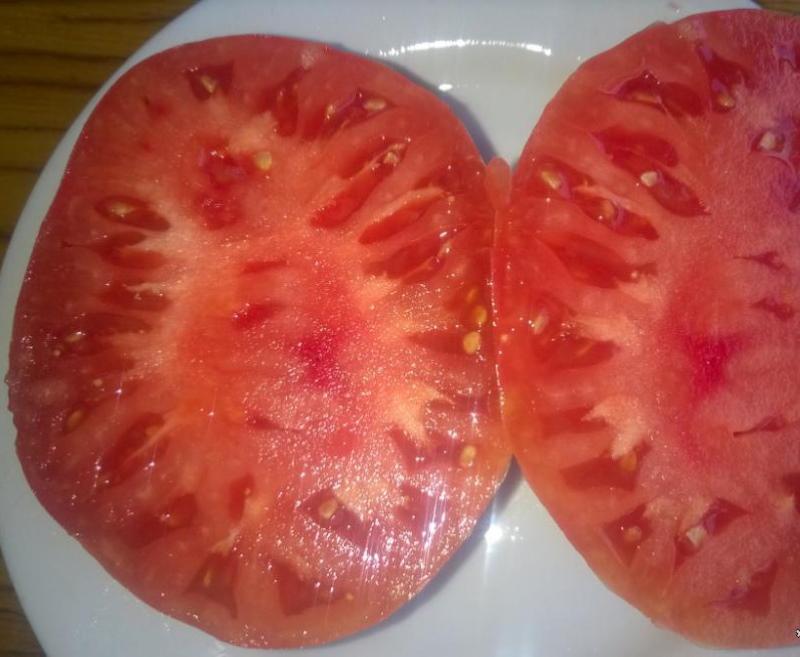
{"x":645,"y":286}
{"x":217,"y":383}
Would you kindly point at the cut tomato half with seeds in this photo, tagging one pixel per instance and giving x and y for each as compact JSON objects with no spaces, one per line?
{"x":647,"y":291}
{"x":250,"y":368}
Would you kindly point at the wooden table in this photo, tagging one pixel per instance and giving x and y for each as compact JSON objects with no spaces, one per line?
{"x":54,"y":54}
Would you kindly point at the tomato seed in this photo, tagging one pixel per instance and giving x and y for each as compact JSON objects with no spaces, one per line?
{"x":632,"y":534}
{"x":209,"y":83}
{"x":374,"y":104}
{"x":725,"y":100}
{"x":263,"y":160}
{"x":552,"y":180}
{"x":479,"y":315}
{"x":768,"y":142}
{"x":72,"y":338}
{"x":629,"y":462}
{"x":328,"y":508}
{"x":649,"y":178}
{"x":120,"y":208}
{"x":472,"y":294}
{"x":74,"y":419}
{"x":540,"y":321}
{"x":471,"y":342}
{"x":467,"y":457}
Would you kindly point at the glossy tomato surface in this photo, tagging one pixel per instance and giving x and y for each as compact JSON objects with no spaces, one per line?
{"x":250,"y":365}
{"x":649,"y":348}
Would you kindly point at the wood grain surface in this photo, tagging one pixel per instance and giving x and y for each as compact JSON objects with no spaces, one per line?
{"x":54,"y":54}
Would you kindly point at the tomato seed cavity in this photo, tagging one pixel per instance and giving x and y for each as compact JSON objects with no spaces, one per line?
{"x":628,"y":532}
{"x":674,"y":98}
{"x":216,"y":579}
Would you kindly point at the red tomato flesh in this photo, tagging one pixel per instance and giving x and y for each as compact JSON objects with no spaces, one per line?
{"x":647,"y":292}
{"x":250,"y":368}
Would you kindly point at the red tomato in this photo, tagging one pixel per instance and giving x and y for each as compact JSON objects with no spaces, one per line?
{"x":647,"y":282}
{"x":249,"y":367}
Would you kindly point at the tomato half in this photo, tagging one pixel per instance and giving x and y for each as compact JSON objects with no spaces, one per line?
{"x":647,"y":290}
{"x":249,"y":369}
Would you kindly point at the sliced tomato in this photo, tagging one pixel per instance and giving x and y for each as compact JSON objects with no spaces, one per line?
{"x":647,"y":289}
{"x":250,"y":370}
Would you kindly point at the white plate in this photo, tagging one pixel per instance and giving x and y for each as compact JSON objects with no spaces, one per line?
{"x":517,"y":587}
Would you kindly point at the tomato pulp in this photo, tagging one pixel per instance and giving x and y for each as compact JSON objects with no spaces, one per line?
{"x":250,"y":368}
{"x":646,"y":279}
